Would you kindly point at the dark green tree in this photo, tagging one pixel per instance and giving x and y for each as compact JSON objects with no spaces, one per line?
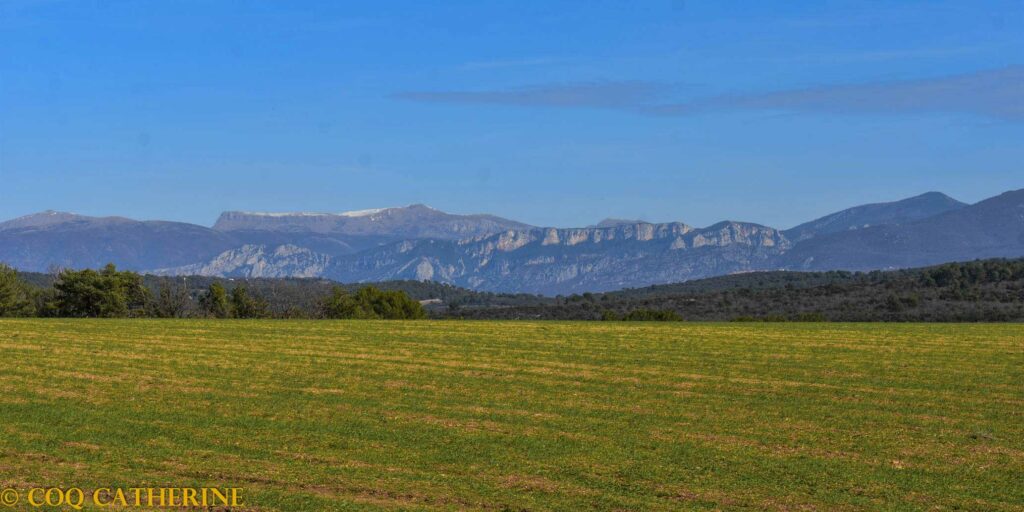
{"x":338,"y":304}
{"x":245,"y":305}
{"x":107,"y":293}
{"x":370,"y":303}
{"x":17,"y":298}
{"x":215,"y":302}
{"x":389,"y":305}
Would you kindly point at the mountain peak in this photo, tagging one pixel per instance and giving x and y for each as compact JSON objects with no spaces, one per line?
{"x":48,"y":214}
{"x":933,"y":194}
{"x":413,"y":221}
{"x":933,"y":197}
{"x":48,"y":218}
{"x":612,"y":222}
{"x":350,"y":213}
{"x":903,"y":211}
{"x":416,"y":208}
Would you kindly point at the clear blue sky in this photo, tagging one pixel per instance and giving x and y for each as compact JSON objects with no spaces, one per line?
{"x":553,"y":113}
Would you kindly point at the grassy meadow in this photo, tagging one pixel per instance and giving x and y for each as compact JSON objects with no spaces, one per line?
{"x":432,"y":415}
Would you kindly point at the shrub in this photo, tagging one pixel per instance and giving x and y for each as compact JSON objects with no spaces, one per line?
{"x":370,"y":303}
{"x":652,"y":315}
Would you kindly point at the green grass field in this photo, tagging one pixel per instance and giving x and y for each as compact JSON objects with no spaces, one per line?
{"x":318,"y":415}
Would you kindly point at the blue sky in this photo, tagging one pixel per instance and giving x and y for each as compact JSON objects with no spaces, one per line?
{"x":553,"y":113}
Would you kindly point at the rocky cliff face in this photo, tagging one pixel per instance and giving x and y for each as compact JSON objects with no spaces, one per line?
{"x":552,"y":261}
{"x":258,"y":261}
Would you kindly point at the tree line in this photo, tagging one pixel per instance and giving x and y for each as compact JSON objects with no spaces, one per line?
{"x":975,"y":291}
{"x":984,"y":290}
{"x":111,"y":293}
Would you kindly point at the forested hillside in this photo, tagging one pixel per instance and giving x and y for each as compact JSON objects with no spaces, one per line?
{"x":987,"y":290}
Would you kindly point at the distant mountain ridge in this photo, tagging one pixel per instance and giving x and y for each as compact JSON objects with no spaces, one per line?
{"x":484,"y":252}
{"x":860,"y":217}
{"x":611,"y":222}
{"x":257,"y":261}
{"x":57,"y":239}
{"x":993,"y":228}
{"x":549,"y":260}
{"x":414,"y":221}
{"x":50,"y":218}
{"x":48,"y":239}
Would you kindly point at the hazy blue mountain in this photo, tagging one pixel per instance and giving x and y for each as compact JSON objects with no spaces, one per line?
{"x":612,"y":222}
{"x":48,"y":239}
{"x":483,"y":252}
{"x":991,"y":228}
{"x":56,"y":239}
{"x":860,"y":217}
{"x":48,"y":218}
{"x":415,"y":221}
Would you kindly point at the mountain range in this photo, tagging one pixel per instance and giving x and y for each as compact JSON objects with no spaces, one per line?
{"x":485,"y":252}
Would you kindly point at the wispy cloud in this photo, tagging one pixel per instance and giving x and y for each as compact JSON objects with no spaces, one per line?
{"x":616,"y":95}
{"x":997,"y":94}
{"x":511,"y":63}
{"x":910,"y":54}
{"x":993,"y":93}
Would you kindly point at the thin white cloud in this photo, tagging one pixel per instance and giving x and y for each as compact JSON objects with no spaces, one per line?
{"x":912,"y":54}
{"x":511,"y":63}
{"x":616,"y":95}
{"x":996,"y":93}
